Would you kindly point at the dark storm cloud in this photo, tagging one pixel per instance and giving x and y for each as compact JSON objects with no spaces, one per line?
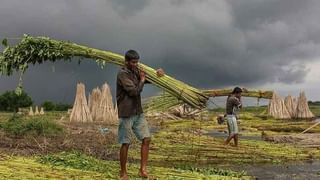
{"x":128,"y":8}
{"x":208,"y":44}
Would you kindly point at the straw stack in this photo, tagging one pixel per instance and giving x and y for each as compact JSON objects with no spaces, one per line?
{"x":80,"y":111}
{"x":303,"y":111}
{"x":41,"y":111}
{"x":36,"y":112}
{"x":106,"y":109}
{"x":291,"y":104}
{"x":31,"y":111}
{"x":277,"y":108}
{"x":94,"y":101}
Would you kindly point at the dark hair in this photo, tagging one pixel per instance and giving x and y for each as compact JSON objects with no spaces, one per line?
{"x":131,"y":54}
{"x":237,"y":90}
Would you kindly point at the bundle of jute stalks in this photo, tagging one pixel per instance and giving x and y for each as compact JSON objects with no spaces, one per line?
{"x":303,"y":111}
{"x":277,"y":108}
{"x":32,"y":50}
{"x":80,"y":111}
{"x":164,"y":101}
{"x":245,"y":92}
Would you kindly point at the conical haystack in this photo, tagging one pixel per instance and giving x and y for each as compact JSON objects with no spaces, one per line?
{"x":303,"y":111}
{"x":41,"y":111}
{"x":89,"y":102}
{"x":106,"y":109}
{"x":116,"y":109}
{"x":277,"y":108}
{"x":31,"y":111}
{"x":80,"y":111}
{"x":94,"y":99}
{"x":36,"y":112}
{"x":291,"y":104}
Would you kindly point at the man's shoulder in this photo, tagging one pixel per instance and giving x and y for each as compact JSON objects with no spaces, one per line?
{"x":123,"y":71}
{"x":233,"y":99}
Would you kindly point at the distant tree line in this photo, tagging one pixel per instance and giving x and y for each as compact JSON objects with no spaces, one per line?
{"x":51,"y":106}
{"x":10,"y":101}
{"x":314,"y":103}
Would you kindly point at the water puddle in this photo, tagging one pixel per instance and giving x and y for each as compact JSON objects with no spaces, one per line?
{"x":299,"y":170}
{"x":317,"y":120}
{"x":219,"y":134}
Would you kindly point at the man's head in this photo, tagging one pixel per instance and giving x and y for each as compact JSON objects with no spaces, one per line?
{"x":131,"y":59}
{"x":237,"y":92}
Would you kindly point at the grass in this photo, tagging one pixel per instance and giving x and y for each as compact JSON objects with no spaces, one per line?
{"x":28,"y":168}
{"x":315,"y":110}
{"x":181,"y":147}
{"x":18,"y":125}
{"x":184,"y":142}
{"x":179,"y":150}
{"x":73,"y":162}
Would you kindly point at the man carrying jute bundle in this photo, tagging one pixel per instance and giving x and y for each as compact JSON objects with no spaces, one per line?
{"x":130,"y":82}
{"x":233,"y":104}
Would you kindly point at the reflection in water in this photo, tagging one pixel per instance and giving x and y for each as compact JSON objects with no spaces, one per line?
{"x":317,"y":120}
{"x":217,"y":134}
{"x":299,"y":170}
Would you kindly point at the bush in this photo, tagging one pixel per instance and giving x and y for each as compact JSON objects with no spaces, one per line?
{"x":51,"y":106}
{"x":314,"y":103}
{"x":48,"y":106}
{"x":62,"y":107}
{"x":18,"y":126}
{"x":10,"y":101}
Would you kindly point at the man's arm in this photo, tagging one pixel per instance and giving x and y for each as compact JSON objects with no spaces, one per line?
{"x":237,"y":102}
{"x":160,"y":72}
{"x":128,"y":84}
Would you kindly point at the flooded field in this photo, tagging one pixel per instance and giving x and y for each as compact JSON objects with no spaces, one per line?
{"x":180,"y":149}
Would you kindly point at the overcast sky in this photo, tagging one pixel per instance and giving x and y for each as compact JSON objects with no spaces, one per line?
{"x":268,"y":44}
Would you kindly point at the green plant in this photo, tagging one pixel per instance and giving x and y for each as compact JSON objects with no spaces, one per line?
{"x":77,"y":160}
{"x":32,"y":50}
{"x":62,"y":107}
{"x":48,"y":105}
{"x":19,"y":126}
{"x":212,"y":171}
{"x":10,"y":101}
{"x":51,"y":106}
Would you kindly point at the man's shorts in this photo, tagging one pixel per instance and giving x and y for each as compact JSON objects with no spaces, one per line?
{"x":232,"y":124}
{"x":136,"y":125}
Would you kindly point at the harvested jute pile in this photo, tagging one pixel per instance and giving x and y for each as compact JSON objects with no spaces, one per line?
{"x":32,"y":50}
{"x":80,"y":111}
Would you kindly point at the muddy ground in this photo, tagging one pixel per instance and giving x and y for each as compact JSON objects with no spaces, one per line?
{"x":93,"y":139}
{"x":99,"y":140}
{"x":301,"y":140}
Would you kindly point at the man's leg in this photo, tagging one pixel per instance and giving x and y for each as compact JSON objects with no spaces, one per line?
{"x":236,"y":140}
{"x":230,"y":130}
{"x":124,"y":130}
{"x":144,"y":157}
{"x":228,"y":139}
{"x":141,"y":130}
{"x":123,"y":161}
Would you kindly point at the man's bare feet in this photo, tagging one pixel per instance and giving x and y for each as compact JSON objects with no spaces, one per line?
{"x":143,"y":173}
{"x":124,"y":176}
{"x":234,"y":146}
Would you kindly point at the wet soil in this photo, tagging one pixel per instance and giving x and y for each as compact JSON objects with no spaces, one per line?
{"x":298,"y":170}
{"x":93,"y":139}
